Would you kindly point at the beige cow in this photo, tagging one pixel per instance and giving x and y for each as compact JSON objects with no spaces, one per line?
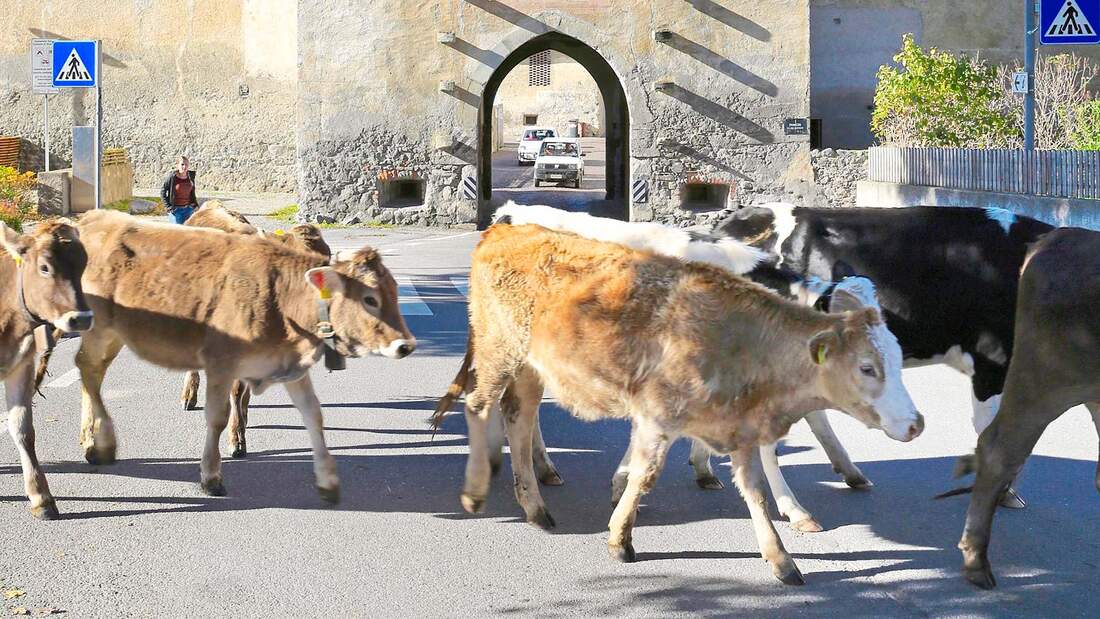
{"x":678,"y":348}
{"x":236,"y":306}
{"x":40,"y":279}
{"x":303,"y":237}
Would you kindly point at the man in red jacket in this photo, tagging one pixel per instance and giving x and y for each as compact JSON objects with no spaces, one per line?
{"x":178,"y":192}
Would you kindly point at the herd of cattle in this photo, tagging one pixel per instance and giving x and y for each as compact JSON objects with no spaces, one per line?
{"x":727,"y":337}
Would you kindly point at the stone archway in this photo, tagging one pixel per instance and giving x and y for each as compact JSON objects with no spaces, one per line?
{"x":516,"y":48}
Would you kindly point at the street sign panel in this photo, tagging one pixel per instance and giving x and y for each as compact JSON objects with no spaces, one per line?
{"x":42,"y":67}
{"x":1019,"y":83}
{"x":74,"y":64}
{"x":1069,"y":22}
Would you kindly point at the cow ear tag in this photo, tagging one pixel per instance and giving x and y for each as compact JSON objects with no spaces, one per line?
{"x":317,"y":278}
{"x":822,"y":349}
{"x":280,"y":232}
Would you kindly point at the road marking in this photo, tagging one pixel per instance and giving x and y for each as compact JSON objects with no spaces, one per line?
{"x":462,"y":284}
{"x":409,"y":300}
{"x":438,"y":238}
{"x":65,"y":380}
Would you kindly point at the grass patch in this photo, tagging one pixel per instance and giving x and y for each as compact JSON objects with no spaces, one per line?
{"x":124,"y":206}
{"x":288,"y":213}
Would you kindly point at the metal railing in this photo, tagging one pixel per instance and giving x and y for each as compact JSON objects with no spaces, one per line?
{"x":1053,"y":173}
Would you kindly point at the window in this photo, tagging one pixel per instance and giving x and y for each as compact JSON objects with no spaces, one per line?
{"x":704,"y":196}
{"x":539,"y":69}
{"x":537,"y":135}
{"x":398,"y":192}
{"x":530,"y":119}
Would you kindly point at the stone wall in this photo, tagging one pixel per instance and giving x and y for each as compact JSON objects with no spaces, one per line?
{"x":213,"y":79}
{"x":836,"y":173}
{"x":572,"y":94}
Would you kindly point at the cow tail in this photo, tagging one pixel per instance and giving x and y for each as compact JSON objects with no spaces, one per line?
{"x":458,"y":385}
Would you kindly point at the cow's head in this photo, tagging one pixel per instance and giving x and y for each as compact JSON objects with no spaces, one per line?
{"x":860,"y":364}
{"x":51,"y":262}
{"x":364,"y":308}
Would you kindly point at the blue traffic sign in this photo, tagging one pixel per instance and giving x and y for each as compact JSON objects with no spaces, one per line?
{"x":74,"y":64}
{"x":1069,"y":22}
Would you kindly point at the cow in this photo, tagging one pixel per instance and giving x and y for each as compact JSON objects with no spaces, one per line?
{"x":680,"y":348}
{"x":304,"y":237}
{"x":40,"y":275}
{"x":946,"y":278}
{"x":236,"y":306}
{"x":1054,"y":367}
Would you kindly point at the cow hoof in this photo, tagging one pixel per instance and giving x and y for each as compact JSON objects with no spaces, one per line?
{"x":858,"y":482}
{"x":329,"y":495}
{"x":622,"y":554}
{"x":710,"y":482}
{"x":190,"y":405}
{"x":46,"y":511}
{"x":542,"y":519}
{"x":807,"y":525}
{"x":214,"y":487}
{"x":618,"y":487}
{"x":965,"y":465}
{"x":98,"y":456}
{"x":789,"y":574}
{"x":472,"y":504}
{"x":1011,"y":500}
{"x":239,"y":451}
{"x":551,"y":478}
{"x":981,"y":577}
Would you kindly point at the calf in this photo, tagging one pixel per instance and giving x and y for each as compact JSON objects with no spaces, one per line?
{"x":303,"y":237}
{"x":679,"y":348}
{"x":946,"y":277}
{"x":236,"y":306}
{"x":1054,"y":367}
{"x":40,"y":279}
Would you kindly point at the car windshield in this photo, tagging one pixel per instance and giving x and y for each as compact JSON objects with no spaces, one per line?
{"x":558,"y":149}
{"x":538,"y":134}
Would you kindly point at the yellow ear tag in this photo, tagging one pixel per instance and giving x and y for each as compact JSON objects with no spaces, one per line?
{"x":326,"y":294}
{"x":821,"y":354}
{"x":18,"y":260}
{"x":280,"y":232}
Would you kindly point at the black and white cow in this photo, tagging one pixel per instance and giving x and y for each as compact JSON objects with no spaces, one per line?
{"x":946,"y":280}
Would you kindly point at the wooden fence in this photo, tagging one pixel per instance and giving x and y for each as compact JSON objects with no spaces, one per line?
{"x":1053,"y":173}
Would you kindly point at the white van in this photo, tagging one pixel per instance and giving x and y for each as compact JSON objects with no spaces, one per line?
{"x":560,"y":161}
{"x":530,"y":141}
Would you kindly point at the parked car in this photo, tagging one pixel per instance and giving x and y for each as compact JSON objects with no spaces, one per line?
{"x":560,"y":161}
{"x":530,"y":142}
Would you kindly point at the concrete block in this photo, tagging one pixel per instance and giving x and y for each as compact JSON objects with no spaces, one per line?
{"x":53,"y":192}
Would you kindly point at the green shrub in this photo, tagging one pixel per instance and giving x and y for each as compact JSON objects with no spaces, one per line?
{"x":936,"y":99}
{"x":288,"y":213}
{"x":1084,"y":130}
{"x":14,"y":206}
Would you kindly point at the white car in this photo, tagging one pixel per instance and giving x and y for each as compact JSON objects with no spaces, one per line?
{"x":530,"y":142}
{"x":560,"y":161}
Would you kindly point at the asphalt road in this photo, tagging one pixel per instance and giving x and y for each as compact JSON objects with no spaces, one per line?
{"x":512,"y":181}
{"x":139,"y":539}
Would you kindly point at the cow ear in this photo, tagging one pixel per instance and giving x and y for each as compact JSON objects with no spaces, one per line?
{"x":14,"y":243}
{"x":326,"y":280}
{"x":822,"y":345}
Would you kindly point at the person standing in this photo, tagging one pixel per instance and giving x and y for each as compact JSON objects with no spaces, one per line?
{"x":178,"y":192}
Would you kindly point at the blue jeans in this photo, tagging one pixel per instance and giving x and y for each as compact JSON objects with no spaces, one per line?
{"x":181,"y":213}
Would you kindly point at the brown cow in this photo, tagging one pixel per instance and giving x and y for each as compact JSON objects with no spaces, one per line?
{"x":1054,"y":367}
{"x":678,"y":348}
{"x":236,"y":306}
{"x":303,"y":237}
{"x":40,"y":276}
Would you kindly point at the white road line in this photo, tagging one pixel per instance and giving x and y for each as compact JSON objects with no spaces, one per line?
{"x":65,"y":380}
{"x":410,"y":302}
{"x":462,"y":284}
{"x":438,"y":238}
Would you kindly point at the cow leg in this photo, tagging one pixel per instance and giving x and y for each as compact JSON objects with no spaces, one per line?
{"x":519,"y":409}
{"x":1094,"y":409}
{"x":216,"y":409}
{"x":838,"y":456}
{"x":547,"y":472}
{"x":649,"y":446}
{"x":190,"y":395}
{"x":19,"y":391}
{"x":747,"y":477}
{"x":699,"y":459}
{"x":97,"y":432}
{"x":622,"y":472}
{"x":789,"y":507}
{"x":985,"y":411}
{"x":238,"y":419}
{"x":494,"y":435}
{"x":324,"y":465}
{"x":1002,"y":449}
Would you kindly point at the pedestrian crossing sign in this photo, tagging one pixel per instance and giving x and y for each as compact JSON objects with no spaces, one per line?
{"x":74,"y":64}
{"x":1069,"y":22}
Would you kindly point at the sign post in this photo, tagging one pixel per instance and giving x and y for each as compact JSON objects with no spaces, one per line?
{"x":77,"y":64}
{"x":42,"y":84}
{"x":1029,"y":73}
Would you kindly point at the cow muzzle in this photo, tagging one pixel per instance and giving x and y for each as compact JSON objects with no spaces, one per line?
{"x":906,"y":432}
{"x":75,"y":321}
{"x":398,"y":349}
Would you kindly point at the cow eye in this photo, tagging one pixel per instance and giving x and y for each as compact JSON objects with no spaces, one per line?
{"x":867,"y":370}
{"x":44,"y":269}
{"x":370,"y":301}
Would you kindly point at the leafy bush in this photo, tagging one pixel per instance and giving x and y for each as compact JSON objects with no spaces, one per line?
{"x":937,"y":99}
{"x":14,"y":206}
{"x":288,"y":213}
{"x":1084,"y":131}
{"x":1061,"y":86}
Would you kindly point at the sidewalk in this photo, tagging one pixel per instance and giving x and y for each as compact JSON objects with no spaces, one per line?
{"x":248,"y":204}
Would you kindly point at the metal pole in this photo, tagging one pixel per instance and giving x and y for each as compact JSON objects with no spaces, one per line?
{"x":46,"y":127}
{"x":1029,"y":66}
{"x":98,"y":123}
